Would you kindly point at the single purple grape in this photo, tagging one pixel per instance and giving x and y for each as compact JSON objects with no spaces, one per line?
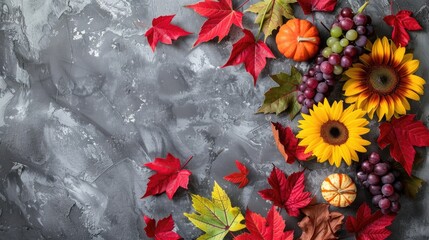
{"x":384,"y":203}
{"x":367,"y":167}
{"x":395,"y":207}
{"x":301,"y":98}
{"x":387,"y":190}
{"x":334,"y":59}
{"x":319,"y":60}
{"x":374,"y":158}
{"x":317,"y":69}
{"x":312,"y":83}
{"x":375,"y":189}
{"x":350,"y":51}
{"x":360,"y":19}
{"x":361,"y":30}
{"x":322,"y":87}
{"x":347,"y":24}
{"x":308,"y":102}
{"x":361,"y":41}
{"x":319,"y":97}
{"x":311,"y":72}
{"x":309,"y":93}
{"x":362,"y":176}
{"x":326,"y":67}
{"x":346,"y":62}
{"x":376,"y":199}
{"x":388,"y":178}
{"x":373,"y":179}
{"x":346,"y":12}
{"x":366,"y":184}
{"x":305,"y":78}
{"x":302,"y":87}
{"x":381,"y":169}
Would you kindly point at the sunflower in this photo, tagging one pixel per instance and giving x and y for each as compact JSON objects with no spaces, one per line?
{"x":332,"y":133}
{"x":383,"y":81}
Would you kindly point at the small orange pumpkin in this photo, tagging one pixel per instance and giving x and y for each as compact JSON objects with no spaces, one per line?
{"x":339,"y":190}
{"x":298,"y":39}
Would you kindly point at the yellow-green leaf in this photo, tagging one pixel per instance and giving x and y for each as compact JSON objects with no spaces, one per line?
{"x":412,"y":185}
{"x":271,"y":13}
{"x":216,"y":217}
{"x":284,"y":97}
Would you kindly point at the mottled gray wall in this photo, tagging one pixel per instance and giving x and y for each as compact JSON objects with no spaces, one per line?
{"x":84,"y":103}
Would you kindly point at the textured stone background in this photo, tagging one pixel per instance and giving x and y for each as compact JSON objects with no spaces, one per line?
{"x":84,"y":103}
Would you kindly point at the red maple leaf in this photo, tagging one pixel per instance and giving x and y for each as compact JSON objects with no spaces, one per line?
{"x":309,"y":6}
{"x":169,"y":177}
{"x":163,"y":230}
{"x":250,"y":52}
{"x":239,"y":177}
{"x":221,"y":16}
{"x":287,"y":192}
{"x":163,"y":31}
{"x":287,"y":144}
{"x":401,"y":22}
{"x":367,"y":226}
{"x":402,"y":134}
{"x":270,"y":228}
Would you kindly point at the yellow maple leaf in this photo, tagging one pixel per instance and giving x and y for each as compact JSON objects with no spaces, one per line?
{"x":215,"y":217}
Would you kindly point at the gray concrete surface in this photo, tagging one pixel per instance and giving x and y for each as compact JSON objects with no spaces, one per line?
{"x":84,"y":103}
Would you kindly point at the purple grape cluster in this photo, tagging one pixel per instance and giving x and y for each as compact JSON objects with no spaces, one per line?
{"x":349,"y":34}
{"x":382,"y":182}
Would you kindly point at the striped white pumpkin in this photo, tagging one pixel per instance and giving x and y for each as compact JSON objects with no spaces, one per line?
{"x":339,"y":190}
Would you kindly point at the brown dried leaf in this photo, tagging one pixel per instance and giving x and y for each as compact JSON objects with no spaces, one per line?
{"x":319,"y":223}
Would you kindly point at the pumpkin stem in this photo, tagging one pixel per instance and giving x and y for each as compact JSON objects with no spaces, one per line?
{"x":306,"y":39}
{"x":360,"y":10}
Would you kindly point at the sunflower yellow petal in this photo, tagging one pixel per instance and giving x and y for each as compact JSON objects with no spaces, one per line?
{"x":409,"y":67}
{"x":391,"y":105}
{"x":414,"y":79}
{"x":386,"y":50}
{"x":411,"y":94}
{"x":346,"y":154}
{"x":359,"y":130}
{"x":336,"y":156}
{"x":377,"y":52}
{"x":407,"y":57}
{"x":399,"y":107}
{"x":382,"y":109}
{"x":398,"y":56}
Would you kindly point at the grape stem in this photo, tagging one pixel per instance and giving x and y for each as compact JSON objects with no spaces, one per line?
{"x":360,"y":10}
{"x":327,"y":29}
{"x":306,"y":39}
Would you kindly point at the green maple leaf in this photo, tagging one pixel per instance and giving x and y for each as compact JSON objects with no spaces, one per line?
{"x":284,"y":97}
{"x":412,"y":185}
{"x":271,"y":13}
{"x":216,"y":217}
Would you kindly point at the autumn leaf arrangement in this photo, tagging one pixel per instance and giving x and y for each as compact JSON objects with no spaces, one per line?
{"x":378,"y":79}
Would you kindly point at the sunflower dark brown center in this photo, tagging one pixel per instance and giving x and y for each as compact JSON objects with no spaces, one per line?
{"x":383,"y":79}
{"x":334,"y":132}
